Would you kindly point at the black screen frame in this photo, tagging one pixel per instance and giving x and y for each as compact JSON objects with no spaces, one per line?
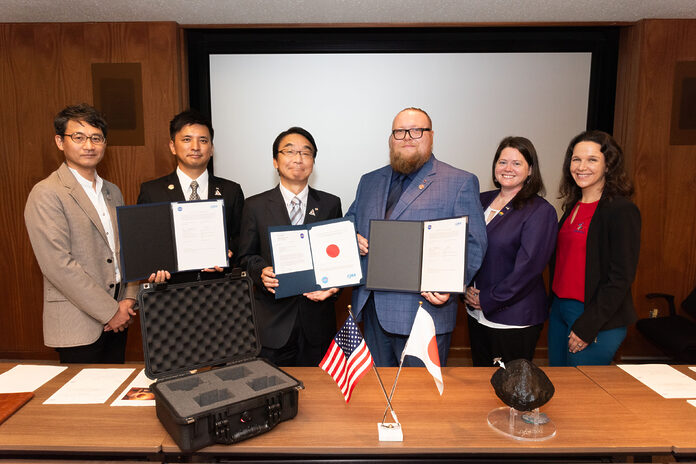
{"x":601,"y":41}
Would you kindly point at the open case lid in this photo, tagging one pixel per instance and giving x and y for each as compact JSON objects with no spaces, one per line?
{"x":197,"y":324}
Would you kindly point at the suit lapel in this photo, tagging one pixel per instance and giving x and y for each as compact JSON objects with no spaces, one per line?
{"x":108,"y":199}
{"x":504,"y":213}
{"x":381,"y":192}
{"x":312,"y":211}
{"x":500,"y":217}
{"x":418,"y":185}
{"x":277,"y":209}
{"x":78,"y":194}
{"x":173,"y":187}
{"x":215,"y":188}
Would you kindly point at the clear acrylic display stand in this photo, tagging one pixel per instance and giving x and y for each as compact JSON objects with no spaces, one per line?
{"x":522,"y":425}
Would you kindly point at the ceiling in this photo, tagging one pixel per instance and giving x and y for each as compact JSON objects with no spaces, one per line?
{"x":191,"y":12}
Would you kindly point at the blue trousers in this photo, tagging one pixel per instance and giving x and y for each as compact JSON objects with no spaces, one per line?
{"x":599,"y":352}
{"x":386,"y":347}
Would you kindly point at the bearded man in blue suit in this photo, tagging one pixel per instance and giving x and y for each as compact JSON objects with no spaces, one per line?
{"x":414,"y":187}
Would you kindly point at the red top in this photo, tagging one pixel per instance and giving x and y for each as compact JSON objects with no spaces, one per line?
{"x":569,"y":274}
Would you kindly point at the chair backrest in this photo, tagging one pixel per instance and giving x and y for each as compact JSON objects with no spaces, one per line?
{"x":689,"y":304}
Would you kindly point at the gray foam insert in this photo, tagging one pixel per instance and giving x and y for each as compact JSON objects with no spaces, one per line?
{"x":193,"y":325}
{"x":199,"y":393}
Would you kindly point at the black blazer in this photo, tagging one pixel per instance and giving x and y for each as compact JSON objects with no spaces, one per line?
{"x":275,"y":318}
{"x":168,"y":188}
{"x":611,"y":260}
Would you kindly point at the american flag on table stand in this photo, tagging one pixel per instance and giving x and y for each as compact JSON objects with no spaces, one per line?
{"x":347,"y":360}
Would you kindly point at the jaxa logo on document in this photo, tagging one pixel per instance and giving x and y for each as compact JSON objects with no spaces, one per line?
{"x":351,"y":275}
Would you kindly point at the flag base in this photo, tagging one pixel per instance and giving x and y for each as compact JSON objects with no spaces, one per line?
{"x":389,"y":431}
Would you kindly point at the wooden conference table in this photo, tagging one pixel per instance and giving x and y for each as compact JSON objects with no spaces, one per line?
{"x":674,"y":419}
{"x":590,"y":422}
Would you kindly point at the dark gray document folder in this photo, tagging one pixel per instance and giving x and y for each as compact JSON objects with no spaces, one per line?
{"x":394,"y":257}
{"x":417,"y":256}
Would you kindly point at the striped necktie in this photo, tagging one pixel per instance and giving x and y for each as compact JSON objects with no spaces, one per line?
{"x":194,"y":191}
{"x":296,"y":212}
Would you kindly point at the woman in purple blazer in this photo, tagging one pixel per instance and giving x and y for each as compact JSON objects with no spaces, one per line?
{"x":507,"y":304}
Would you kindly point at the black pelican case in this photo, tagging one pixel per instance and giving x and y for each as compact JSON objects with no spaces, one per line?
{"x":190,"y":327}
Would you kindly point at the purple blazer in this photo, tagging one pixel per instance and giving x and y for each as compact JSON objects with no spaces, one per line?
{"x":520,"y":244}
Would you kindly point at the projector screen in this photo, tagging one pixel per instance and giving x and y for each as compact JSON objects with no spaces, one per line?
{"x":348,"y":101}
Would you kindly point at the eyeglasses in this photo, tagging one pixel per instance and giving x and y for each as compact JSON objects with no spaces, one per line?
{"x":290,"y":153}
{"x":414,"y":133}
{"x":80,"y":138}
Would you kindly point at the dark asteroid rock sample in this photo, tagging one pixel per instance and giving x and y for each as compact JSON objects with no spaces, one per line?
{"x":522,"y":385}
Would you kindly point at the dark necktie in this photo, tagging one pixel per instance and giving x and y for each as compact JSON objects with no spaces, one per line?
{"x":395,"y":190}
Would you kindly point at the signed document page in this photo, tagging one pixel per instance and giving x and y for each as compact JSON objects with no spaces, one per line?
{"x":444,"y":255}
{"x":199,"y":232}
{"x":291,"y":251}
{"x":336,"y":255}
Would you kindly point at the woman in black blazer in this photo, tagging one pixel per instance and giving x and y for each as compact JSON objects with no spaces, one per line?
{"x":596,"y":256}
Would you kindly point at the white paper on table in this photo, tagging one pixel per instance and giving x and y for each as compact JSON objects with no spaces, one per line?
{"x":444,"y":255}
{"x":90,"y":386}
{"x":663,"y":379}
{"x":336,"y":256}
{"x":137,"y":393}
{"x":27,"y":377}
{"x":692,"y":368}
{"x":691,"y":402}
{"x":291,"y":251}
{"x":199,"y":233}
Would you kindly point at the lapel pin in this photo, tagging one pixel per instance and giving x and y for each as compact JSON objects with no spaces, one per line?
{"x":217,"y":191}
{"x":312,"y":211}
{"x":421,"y":187}
{"x":170,"y":186}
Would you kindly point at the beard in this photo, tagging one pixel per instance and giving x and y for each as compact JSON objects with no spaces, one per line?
{"x":403,"y":165}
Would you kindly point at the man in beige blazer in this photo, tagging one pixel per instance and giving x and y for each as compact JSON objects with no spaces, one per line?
{"x":71,"y":220}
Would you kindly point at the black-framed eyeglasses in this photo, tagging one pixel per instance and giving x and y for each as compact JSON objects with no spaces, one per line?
{"x":414,"y":132}
{"x":80,"y":138}
{"x":304,"y":154}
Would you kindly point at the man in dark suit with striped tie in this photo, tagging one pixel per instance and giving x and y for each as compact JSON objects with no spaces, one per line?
{"x":296,"y":330}
{"x":191,"y":142}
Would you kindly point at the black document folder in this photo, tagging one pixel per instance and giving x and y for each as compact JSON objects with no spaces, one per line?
{"x":148,"y":238}
{"x":397,"y":254}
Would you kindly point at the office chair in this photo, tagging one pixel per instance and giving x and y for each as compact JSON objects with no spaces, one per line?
{"x":673,"y":334}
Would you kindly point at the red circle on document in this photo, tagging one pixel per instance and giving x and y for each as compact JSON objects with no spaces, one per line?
{"x":332,"y":250}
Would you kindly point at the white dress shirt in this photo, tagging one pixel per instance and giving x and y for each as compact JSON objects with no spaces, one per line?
{"x":96,"y":196}
{"x":185,"y":182}
{"x":302,"y":196}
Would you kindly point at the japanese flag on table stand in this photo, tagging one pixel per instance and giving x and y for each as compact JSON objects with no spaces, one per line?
{"x":347,"y":360}
{"x":423,"y":345}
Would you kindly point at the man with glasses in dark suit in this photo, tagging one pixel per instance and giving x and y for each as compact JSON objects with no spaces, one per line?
{"x":296,"y":330}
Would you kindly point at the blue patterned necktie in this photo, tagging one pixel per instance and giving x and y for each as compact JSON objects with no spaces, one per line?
{"x":296,"y":212}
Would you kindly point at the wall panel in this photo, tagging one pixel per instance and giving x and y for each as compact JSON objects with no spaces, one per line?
{"x":663,"y":173}
{"x":44,"y":67}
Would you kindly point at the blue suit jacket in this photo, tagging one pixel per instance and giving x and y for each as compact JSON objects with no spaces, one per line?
{"x":520,"y":244}
{"x":437,"y":191}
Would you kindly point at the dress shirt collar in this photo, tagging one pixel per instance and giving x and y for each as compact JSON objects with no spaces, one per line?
{"x":87,"y":184}
{"x":185,"y":182}
{"x":288,"y":196}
